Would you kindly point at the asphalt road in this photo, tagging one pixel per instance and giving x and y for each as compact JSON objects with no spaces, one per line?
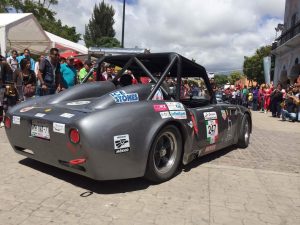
{"x":253,"y":186}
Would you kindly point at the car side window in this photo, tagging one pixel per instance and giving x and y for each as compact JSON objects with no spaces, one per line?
{"x":194,"y":92}
{"x":194,"y":88}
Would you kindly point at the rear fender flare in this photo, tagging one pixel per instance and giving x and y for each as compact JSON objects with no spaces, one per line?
{"x":186,"y":141}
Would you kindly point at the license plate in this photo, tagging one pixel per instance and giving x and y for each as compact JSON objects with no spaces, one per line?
{"x":40,"y":131}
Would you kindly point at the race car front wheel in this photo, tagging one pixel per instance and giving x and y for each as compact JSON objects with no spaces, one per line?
{"x":164,"y":156}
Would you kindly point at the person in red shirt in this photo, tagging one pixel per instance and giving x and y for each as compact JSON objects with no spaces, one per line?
{"x":267,"y":93}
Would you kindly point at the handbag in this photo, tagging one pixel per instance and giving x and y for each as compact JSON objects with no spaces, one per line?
{"x":10,"y":90}
{"x":29,"y":90}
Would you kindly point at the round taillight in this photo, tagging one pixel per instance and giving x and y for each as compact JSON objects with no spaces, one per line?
{"x":7,"y":122}
{"x":74,"y":136}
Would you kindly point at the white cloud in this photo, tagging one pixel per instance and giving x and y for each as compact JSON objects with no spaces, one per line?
{"x":217,"y":33}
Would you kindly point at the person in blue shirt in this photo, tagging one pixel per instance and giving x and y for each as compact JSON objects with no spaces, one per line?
{"x":68,"y":73}
{"x":26,"y":54}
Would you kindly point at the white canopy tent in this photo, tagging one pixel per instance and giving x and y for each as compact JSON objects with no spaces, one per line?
{"x":64,"y":44}
{"x":22,"y":30}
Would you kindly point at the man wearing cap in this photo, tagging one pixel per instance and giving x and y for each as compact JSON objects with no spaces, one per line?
{"x":85,"y":70}
{"x":68,"y":73}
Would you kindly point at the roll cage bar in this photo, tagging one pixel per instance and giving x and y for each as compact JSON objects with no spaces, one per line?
{"x":168,"y":64}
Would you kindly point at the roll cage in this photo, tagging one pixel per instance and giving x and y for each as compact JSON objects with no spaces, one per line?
{"x":152,"y":64}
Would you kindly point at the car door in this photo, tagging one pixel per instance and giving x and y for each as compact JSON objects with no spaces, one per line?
{"x":230,"y":118}
{"x":210,"y":128}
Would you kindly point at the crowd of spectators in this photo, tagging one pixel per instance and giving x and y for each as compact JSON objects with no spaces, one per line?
{"x":21,"y":77}
{"x":281,"y":102}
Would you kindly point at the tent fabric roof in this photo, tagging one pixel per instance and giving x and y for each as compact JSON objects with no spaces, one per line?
{"x":67,"y":44}
{"x":10,"y":18}
{"x":22,"y":30}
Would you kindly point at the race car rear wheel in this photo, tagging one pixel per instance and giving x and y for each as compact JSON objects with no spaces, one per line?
{"x":164,"y":156}
{"x":244,"y":135}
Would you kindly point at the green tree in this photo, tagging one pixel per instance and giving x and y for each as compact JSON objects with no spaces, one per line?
{"x":253,"y":65}
{"x":99,"y":32}
{"x":5,"y":3}
{"x":46,"y":17}
{"x":234,"y":76}
{"x":220,"y":80}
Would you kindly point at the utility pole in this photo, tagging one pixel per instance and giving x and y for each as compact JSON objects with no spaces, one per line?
{"x":123,"y":25}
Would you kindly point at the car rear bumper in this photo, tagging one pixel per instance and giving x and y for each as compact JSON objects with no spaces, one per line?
{"x":97,"y":162}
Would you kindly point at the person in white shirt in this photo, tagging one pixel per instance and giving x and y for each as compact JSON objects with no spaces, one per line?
{"x":37,"y":67}
{"x":12,"y":60}
{"x":233,"y":97}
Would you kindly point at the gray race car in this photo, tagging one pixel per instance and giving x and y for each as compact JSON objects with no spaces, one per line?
{"x":111,"y":130}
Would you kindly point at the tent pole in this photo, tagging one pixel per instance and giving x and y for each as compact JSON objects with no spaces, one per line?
{"x":3,"y":40}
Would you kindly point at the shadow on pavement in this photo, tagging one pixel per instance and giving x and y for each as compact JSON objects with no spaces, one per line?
{"x":99,"y":187}
{"x":115,"y":186}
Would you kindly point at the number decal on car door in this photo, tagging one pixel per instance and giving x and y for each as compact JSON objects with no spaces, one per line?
{"x":211,"y":131}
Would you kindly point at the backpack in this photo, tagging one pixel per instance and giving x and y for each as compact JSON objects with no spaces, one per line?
{"x":250,"y":97}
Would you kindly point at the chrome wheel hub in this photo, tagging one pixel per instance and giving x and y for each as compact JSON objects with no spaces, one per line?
{"x":165,"y":152}
{"x":247,"y":132}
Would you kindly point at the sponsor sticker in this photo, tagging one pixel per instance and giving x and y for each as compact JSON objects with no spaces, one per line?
{"x":41,"y":115}
{"x":79,"y":103}
{"x":180,"y":115}
{"x":121,"y":143}
{"x":59,"y":128}
{"x":26,"y":109}
{"x":210,"y":115}
{"x":224,"y":114}
{"x":175,"y":106}
{"x":16,"y":120}
{"x":165,"y":115}
{"x":211,"y":130}
{"x":123,"y":97}
{"x":160,"y":107}
{"x":210,"y":148}
{"x":67,"y":115}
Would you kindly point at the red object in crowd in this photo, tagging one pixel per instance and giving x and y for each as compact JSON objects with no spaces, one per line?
{"x":68,"y":54}
{"x":78,"y":64}
{"x":267,"y":93}
{"x":145,"y":80}
{"x":134,"y":81}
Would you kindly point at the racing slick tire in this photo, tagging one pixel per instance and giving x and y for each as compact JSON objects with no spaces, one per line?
{"x":165,"y":154}
{"x":244,"y":134}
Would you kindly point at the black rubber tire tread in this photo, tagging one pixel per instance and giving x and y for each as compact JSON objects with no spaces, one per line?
{"x":242,"y":143}
{"x":151,"y":173}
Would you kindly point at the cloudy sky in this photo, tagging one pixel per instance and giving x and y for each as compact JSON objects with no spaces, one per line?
{"x":217,"y":33}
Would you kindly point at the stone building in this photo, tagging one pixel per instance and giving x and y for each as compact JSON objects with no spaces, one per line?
{"x":287,"y":46}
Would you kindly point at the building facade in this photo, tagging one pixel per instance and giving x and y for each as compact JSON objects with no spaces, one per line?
{"x":287,"y":46}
